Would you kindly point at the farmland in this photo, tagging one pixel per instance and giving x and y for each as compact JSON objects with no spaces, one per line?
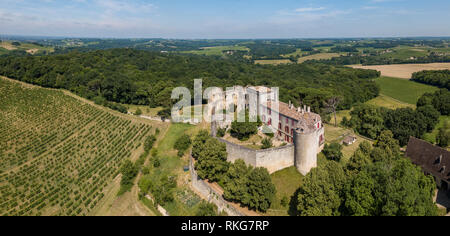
{"x":216,"y":51}
{"x":273,"y":62}
{"x":404,"y":71}
{"x":58,"y":153}
{"x":403,"y":90}
{"x":319,"y":56}
{"x":30,"y":48}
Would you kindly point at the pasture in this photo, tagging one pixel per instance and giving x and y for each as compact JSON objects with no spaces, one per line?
{"x":319,"y":56}
{"x":403,"y":90}
{"x":404,"y":71}
{"x":59,"y":154}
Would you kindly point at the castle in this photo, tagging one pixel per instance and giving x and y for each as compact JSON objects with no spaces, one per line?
{"x":300,"y":128}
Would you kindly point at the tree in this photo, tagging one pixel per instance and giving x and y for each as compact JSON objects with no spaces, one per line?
{"x":443,"y":137}
{"x":243,"y":130}
{"x":430,"y":116}
{"x":165,"y":113}
{"x":212,"y":160}
{"x":199,"y":142}
{"x":367,"y":120}
{"x":359,"y":199}
{"x":129,"y":171}
{"x":388,"y":144}
{"x":331,"y":106}
{"x":149,"y":142}
{"x":360,"y":158}
{"x":235,"y":182}
{"x":402,"y":189}
{"x":333,"y":151}
{"x":320,"y":194}
{"x":404,"y":123}
{"x":138,"y":112}
{"x":182,"y":144}
{"x":266,"y":143}
{"x":261,"y":190}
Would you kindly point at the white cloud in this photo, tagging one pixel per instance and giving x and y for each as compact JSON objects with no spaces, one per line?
{"x":309,"y":9}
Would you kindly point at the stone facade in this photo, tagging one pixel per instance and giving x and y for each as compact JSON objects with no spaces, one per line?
{"x":273,"y":159}
{"x":302,"y":129}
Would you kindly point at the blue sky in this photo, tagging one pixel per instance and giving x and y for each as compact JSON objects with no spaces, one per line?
{"x":225,"y":18}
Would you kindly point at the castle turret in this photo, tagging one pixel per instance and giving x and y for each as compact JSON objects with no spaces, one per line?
{"x":306,"y":148}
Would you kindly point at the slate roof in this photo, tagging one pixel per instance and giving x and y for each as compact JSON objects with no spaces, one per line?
{"x":433,"y":159}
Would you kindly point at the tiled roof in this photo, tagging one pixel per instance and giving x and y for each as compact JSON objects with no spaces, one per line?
{"x":307,"y":120}
{"x":431,"y":158}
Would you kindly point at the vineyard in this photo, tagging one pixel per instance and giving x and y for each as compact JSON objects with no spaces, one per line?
{"x":58,"y":153}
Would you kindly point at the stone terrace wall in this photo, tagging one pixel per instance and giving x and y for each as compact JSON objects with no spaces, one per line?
{"x":274,"y":159}
{"x":208,"y":193}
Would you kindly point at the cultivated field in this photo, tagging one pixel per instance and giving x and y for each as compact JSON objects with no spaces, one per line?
{"x":59,"y":154}
{"x":404,"y":71}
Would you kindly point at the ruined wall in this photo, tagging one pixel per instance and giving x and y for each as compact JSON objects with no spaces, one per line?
{"x":273,"y":160}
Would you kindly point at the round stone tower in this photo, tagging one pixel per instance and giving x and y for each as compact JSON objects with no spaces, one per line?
{"x":306,"y":149}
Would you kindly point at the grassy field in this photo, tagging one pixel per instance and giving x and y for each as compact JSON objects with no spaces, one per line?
{"x":318,"y":56}
{"x":337,"y":134}
{"x":403,"y":90}
{"x":186,"y":202}
{"x":287,"y":182}
{"x":273,"y":62}
{"x":146,"y":110}
{"x":217,"y":51}
{"x":388,"y":102}
{"x":59,"y":154}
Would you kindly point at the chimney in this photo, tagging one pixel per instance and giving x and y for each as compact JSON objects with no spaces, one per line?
{"x":299,"y":110}
{"x":309,"y":109}
{"x":304,"y":108}
{"x":443,"y":170}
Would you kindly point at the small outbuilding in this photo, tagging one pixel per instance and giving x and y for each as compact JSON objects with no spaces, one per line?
{"x":349,"y":140}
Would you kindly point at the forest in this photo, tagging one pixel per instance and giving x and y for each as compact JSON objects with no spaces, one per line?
{"x":129,"y":76}
{"x":436,"y":78}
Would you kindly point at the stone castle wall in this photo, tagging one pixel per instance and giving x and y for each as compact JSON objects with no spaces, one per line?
{"x":273,"y":159}
{"x":206,"y":192}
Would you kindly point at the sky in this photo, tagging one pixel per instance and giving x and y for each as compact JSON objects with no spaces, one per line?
{"x":225,"y":19}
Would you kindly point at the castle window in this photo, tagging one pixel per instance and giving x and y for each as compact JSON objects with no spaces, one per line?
{"x":287,"y":120}
{"x":286,"y":129}
{"x":279,"y":126}
{"x":292,"y":132}
{"x":270,"y":121}
{"x":270,"y":111}
{"x":264,"y":118}
{"x":293,"y":123}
